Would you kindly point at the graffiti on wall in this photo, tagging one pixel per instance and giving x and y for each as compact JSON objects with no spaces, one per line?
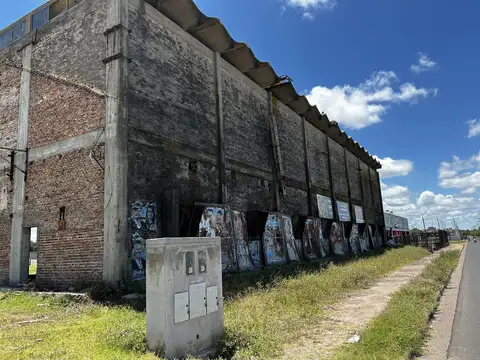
{"x":364,"y":243}
{"x":337,"y":238}
{"x":273,"y":244}
{"x":144,"y":226}
{"x":287,"y":232}
{"x":311,"y":238}
{"x":244,"y":259}
{"x":325,"y":208}
{"x":378,"y":238}
{"x":217,"y":222}
{"x":354,"y":239}
{"x":255,"y":252}
{"x":323,"y":242}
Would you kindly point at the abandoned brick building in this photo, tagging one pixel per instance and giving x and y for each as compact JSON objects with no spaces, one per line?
{"x":122,"y":120}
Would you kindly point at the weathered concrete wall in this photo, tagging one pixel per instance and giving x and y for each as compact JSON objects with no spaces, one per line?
{"x":367,"y":193}
{"x":339,"y":175}
{"x":75,"y":182}
{"x":354,"y":178}
{"x":377,"y":197}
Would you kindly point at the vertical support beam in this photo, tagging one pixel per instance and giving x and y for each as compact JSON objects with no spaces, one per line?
{"x":278,"y":177}
{"x":18,"y":260}
{"x":350,"y":204}
{"x":222,"y":184}
{"x":359,"y":169}
{"x":381,"y":198}
{"x":330,"y":177}
{"x":116,"y":141}
{"x":307,"y":169}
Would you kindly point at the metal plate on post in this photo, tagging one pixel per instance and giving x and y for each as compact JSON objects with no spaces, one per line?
{"x":212,"y":299}
{"x":197,"y":300}
{"x":180,"y":302}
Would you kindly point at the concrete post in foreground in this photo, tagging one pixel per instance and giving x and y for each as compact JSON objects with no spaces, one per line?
{"x":184,"y":296}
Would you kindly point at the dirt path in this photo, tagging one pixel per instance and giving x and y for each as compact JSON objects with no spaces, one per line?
{"x":342,"y":321}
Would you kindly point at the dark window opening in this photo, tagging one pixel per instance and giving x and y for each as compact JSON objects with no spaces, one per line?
{"x":57,"y":8}
{"x":190,"y":216}
{"x":18,"y":31}
{"x":256,"y":221}
{"x":40,"y":18}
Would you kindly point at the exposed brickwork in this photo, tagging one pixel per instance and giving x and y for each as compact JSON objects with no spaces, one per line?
{"x":64,"y":109}
{"x":74,"y":181}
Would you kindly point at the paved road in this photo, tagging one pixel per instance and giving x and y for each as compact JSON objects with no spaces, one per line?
{"x":465,"y":341}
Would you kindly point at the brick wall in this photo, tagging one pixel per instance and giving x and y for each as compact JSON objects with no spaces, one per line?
{"x":73,"y":181}
{"x":64,"y":109}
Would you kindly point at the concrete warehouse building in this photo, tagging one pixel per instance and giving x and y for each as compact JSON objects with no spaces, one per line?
{"x":122,"y":120}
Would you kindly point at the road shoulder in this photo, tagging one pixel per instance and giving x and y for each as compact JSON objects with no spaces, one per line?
{"x":442,"y":324}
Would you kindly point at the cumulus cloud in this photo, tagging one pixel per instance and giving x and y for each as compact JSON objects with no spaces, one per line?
{"x":429,"y":205}
{"x":473,"y":128}
{"x":364,"y":105}
{"x":308,"y":7}
{"x":461,"y":174}
{"x":424,"y":63}
{"x":391,"y":168}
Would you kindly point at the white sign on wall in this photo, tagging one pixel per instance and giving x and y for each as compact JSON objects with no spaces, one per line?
{"x":359,"y":214}
{"x":343,"y":211}
{"x":325,"y":208}
{"x":3,"y":199}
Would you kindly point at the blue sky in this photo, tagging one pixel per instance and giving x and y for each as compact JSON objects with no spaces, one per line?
{"x":399,"y":76}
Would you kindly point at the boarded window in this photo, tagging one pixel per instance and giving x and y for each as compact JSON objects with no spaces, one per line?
{"x":5,"y":38}
{"x":40,"y":18}
{"x":57,"y":8}
{"x":19,"y":31}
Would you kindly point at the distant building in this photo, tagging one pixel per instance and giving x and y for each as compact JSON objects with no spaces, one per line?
{"x":396,"y":226}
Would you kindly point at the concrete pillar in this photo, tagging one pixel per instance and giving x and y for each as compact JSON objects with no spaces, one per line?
{"x":18,"y":260}
{"x":307,"y":169}
{"x":222,"y":185}
{"x":116,"y":140}
{"x":278,"y":174}
{"x":330,"y":177}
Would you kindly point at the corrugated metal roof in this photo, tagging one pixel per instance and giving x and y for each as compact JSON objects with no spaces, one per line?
{"x":212,"y":33}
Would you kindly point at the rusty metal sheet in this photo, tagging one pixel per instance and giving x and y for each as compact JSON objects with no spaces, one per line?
{"x":337,"y":238}
{"x":216,"y":222}
{"x":354,"y":239}
{"x":311,"y":238}
{"x":287,"y":233}
{"x":273,"y":243}
{"x":244,"y":259}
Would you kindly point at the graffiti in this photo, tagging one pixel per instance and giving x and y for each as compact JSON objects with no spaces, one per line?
{"x":378,"y":238}
{"x":254,"y":247}
{"x":217,"y":222}
{"x":343,"y":211}
{"x":310,"y":238}
{"x":240,"y":235}
{"x":144,"y":226}
{"x":273,"y":245}
{"x":323,"y":243}
{"x":358,"y":214}
{"x":354,"y":239}
{"x":337,"y":238}
{"x":325,"y":208}
{"x":364,"y":243}
{"x":287,"y":233}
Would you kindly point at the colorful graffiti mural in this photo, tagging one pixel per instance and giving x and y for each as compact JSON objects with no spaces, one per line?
{"x":216,"y":222}
{"x":287,"y":232}
{"x":310,"y":239}
{"x":273,"y":244}
{"x":354,"y":239}
{"x":244,"y":259}
{"x":143,"y":226}
{"x":337,"y":238}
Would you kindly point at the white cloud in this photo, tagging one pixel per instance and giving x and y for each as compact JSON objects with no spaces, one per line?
{"x":391,"y":167}
{"x":424,"y":64}
{"x":461,"y":174}
{"x":309,"y":7}
{"x":473,"y":127}
{"x":364,"y":105}
{"x":429,"y":205}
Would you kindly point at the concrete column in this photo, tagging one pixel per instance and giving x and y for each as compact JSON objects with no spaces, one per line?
{"x":307,"y":169}
{"x":115,"y":255}
{"x":381,"y":198}
{"x":278,"y":177}
{"x":330,"y":177}
{"x":18,"y":260}
{"x":350,"y":204}
{"x":222,"y":184}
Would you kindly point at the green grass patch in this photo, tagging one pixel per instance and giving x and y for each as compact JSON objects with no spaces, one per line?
{"x":458,"y":241}
{"x":401,"y":329}
{"x":259,"y":322}
{"x":269,"y":309}
{"x":32,"y":269}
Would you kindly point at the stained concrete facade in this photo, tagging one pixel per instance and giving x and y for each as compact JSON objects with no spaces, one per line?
{"x":120,"y":102}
